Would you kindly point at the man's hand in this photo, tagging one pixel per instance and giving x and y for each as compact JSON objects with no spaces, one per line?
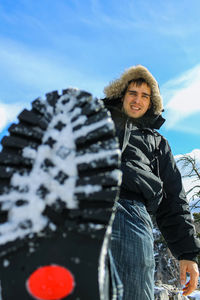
{"x":192,"y":268}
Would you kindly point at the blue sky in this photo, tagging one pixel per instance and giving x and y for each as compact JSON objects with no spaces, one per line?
{"x":51,"y":45}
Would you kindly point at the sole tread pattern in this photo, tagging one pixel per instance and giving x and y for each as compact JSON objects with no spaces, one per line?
{"x":59,"y":179}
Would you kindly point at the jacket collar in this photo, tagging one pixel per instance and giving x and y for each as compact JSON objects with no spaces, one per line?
{"x":149,"y":120}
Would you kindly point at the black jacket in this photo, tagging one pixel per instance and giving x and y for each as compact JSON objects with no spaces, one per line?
{"x":150,"y":175}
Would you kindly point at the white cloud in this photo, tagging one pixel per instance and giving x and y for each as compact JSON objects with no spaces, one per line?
{"x":182,"y":97}
{"x":8,"y":113}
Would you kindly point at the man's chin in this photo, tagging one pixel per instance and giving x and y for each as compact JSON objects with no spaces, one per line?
{"x":134,"y":116}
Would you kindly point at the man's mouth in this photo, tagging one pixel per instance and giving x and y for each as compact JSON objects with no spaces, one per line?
{"x":134,"y":107}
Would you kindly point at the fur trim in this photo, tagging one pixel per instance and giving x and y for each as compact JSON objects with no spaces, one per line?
{"x":116,"y":88}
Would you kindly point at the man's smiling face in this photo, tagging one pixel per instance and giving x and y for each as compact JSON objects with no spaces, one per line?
{"x":137,"y":100}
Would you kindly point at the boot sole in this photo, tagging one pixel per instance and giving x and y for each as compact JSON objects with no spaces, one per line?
{"x":59,"y":180}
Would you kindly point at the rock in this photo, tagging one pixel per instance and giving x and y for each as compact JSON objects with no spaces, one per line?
{"x":161,"y":294}
{"x":167,"y":267}
{"x":166,"y":272}
{"x":168,"y":292}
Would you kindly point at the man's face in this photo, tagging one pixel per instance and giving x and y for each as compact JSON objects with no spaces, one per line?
{"x":136,"y":100}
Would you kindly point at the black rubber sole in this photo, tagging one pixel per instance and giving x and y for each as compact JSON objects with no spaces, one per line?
{"x":59,"y":179}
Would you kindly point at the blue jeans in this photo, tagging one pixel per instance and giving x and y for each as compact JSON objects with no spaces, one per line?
{"x":132,"y":250}
{"x":116,"y":287}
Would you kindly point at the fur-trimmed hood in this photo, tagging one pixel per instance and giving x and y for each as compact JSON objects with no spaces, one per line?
{"x":117,"y":87}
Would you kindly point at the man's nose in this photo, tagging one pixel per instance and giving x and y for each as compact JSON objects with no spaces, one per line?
{"x":137,"y":98}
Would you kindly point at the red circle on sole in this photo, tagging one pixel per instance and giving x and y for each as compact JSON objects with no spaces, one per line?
{"x":50,"y":283}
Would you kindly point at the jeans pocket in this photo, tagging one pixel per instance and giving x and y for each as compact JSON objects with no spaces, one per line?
{"x":144,"y":215}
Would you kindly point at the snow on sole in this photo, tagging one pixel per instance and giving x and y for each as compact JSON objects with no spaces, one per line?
{"x":59,"y":179}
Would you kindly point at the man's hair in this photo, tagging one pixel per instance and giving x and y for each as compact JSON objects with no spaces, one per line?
{"x":116,"y":87}
{"x":138,"y":82}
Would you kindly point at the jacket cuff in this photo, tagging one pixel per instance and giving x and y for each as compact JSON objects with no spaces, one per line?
{"x":189,"y":256}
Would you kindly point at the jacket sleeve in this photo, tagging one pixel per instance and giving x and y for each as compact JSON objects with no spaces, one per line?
{"x":173,"y":215}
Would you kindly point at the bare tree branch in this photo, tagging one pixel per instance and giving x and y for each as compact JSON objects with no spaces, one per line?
{"x":191,"y":170}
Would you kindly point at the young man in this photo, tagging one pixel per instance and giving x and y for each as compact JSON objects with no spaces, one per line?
{"x":151,"y":184}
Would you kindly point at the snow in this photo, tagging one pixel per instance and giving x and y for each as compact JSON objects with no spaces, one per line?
{"x":31,"y":183}
{"x":106,"y":154}
{"x":62,"y":159}
{"x":84,"y":131}
{"x":195,"y":295}
{"x":158,"y":288}
{"x":88,"y":189}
